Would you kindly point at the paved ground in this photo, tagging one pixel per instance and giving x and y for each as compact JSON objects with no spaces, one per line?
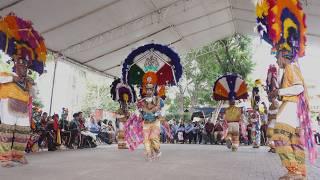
{"x":179,"y":162}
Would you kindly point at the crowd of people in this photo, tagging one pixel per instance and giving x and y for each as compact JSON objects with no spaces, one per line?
{"x":192,"y":132}
{"x":254,"y":131}
{"x":52,"y":132}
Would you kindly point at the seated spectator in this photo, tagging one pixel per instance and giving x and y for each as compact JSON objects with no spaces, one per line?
{"x":51,"y":135}
{"x":64,"y":129}
{"x":75,"y":131}
{"x":209,"y":127}
{"x":32,"y":144}
{"x":87,"y":138}
{"x":43,"y":121}
{"x":56,"y":128}
{"x":42,"y":143}
{"x":104,"y":135}
{"x":218,"y":132}
{"x":111,"y":131}
{"x":93,"y":126}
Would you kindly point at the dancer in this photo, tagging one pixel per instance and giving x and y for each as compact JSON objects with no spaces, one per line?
{"x":27,"y":52}
{"x":151,"y":127}
{"x":233,"y":116}
{"x":231,"y":87}
{"x":124,"y":94}
{"x":282,"y":24}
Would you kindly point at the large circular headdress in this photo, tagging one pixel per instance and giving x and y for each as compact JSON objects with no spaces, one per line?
{"x":152,"y":58}
{"x":18,"y":37}
{"x":152,"y":63}
{"x":230,"y":86}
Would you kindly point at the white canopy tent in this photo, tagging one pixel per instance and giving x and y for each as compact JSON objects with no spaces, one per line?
{"x":99,"y":34}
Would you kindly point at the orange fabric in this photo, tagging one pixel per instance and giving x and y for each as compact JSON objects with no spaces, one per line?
{"x":150,"y":77}
{"x":5,"y":74}
{"x":292,"y":76}
{"x":221,"y":90}
{"x":11,"y":90}
{"x":277,"y":23}
{"x":233,"y":114}
{"x":12,"y":25}
{"x":242,"y":90}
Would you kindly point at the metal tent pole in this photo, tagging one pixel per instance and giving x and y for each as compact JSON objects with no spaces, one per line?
{"x":53,"y":83}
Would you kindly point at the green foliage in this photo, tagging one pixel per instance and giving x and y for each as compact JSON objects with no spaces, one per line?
{"x":4,"y":67}
{"x":203,"y":66}
{"x":98,"y":97}
{"x":234,"y":55}
{"x":37,"y":103}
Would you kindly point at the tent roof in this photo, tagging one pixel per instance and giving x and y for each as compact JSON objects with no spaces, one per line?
{"x":100,"y":34}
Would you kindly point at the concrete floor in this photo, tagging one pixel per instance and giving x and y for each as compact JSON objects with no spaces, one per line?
{"x":179,"y":162}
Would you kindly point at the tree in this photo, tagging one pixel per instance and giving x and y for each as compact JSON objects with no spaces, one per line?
{"x":98,"y":97}
{"x":37,"y":103}
{"x":203,"y":66}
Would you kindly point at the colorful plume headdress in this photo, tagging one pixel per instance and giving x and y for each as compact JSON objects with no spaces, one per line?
{"x":282,"y":24}
{"x":230,"y":86}
{"x":18,"y":37}
{"x":152,"y":64}
{"x":122,"y":93}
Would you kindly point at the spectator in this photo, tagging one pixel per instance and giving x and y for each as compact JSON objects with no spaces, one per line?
{"x":263,"y":130}
{"x":195,"y":131}
{"x":56,"y":129}
{"x":75,"y":130}
{"x":200,"y":132}
{"x":188,"y":131}
{"x":111,"y":131}
{"x":104,"y":135}
{"x":51,"y":135}
{"x":181,"y":132}
{"x":162,"y":133}
{"x":42,"y":143}
{"x":43,"y":121}
{"x":249,"y":132}
{"x":93,"y":126}
{"x":209,"y":126}
{"x":317,"y":133}
{"x":174,"y":131}
{"x":81,"y":121}
{"x":64,"y":128}
{"x":218,"y":132}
